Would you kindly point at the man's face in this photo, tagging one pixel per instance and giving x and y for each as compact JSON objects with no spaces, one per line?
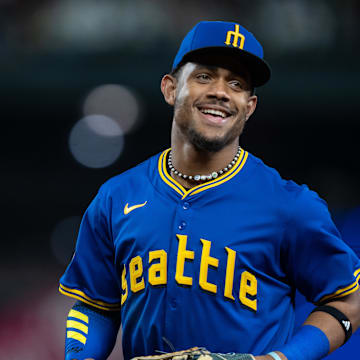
{"x":212,"y":105}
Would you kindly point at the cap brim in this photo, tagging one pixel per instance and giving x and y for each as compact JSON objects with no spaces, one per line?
{"x":234,"y":59}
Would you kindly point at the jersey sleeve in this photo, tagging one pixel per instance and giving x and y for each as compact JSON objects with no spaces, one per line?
{"x":319,"y":263}
{"x":91,"y":275}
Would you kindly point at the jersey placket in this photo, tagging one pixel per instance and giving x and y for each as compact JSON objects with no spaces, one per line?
{"x":183,"y":256}
{"x":175,"y":291}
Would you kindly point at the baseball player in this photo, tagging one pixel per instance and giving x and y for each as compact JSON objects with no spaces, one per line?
{"x":203,"y":245}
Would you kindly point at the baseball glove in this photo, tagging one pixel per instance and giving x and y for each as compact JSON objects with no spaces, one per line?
{"x":196,"y":353}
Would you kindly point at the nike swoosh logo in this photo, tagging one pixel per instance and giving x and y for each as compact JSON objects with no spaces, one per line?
{"x":128,"y":208}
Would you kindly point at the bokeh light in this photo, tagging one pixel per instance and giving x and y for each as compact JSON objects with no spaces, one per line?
{"x":103,"y":125}
{"x":115,"y":101}
{"x":63,"y":239}
{"x":96,"y":141}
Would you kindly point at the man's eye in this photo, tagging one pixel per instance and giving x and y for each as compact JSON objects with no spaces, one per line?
{"x":236,"y":84}
{"x":203,"y":77}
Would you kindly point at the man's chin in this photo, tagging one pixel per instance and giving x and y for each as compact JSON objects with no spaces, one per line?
{"x":204,"y":143}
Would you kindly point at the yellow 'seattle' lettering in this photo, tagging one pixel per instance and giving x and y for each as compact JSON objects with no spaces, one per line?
{"x":182,"y":255}
{"x":248,"y":286}
{"x":136,"y":272}
{"x":229,"y":277}
{"x":158,"y":271}
{"x":124,"y":286}
{"x":237,"y":35}
{"x":206,"y":261}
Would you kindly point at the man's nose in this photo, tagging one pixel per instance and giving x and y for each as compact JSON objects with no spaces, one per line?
{"x":219,"y":90}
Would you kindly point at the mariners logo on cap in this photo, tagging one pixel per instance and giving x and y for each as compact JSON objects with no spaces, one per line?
{"x":212,"y":39}
{"x":237,"y":35}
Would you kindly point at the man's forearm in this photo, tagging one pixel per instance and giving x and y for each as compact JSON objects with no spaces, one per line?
{"x":329,"y":325}
{"x":350,"y":307}
{"x":90,"y":332}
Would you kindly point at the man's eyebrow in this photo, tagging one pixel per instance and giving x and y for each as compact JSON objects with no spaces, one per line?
{"x":206,"y":67}
{"x":213,"y":68}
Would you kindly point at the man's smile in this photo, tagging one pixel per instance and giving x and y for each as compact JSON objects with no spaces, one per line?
{"x":214,"y":114}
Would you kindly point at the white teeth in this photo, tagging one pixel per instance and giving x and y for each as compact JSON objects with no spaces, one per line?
{"x":214,"y":112}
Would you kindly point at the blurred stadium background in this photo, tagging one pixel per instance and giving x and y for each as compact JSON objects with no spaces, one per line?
{"x":80,"y":102}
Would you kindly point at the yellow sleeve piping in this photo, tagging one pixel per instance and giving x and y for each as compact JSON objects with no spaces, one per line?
{"x":343,"y":291}
{"x":79,"y":295}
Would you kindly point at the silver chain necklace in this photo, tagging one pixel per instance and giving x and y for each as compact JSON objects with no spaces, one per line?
{"x":211,"y":176}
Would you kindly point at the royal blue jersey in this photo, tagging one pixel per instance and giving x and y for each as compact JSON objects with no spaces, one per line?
{"x":214,"y":266}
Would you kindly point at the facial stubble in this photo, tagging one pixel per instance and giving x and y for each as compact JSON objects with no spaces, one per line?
{"x":183,"y":108}
{"x":199,"y":140}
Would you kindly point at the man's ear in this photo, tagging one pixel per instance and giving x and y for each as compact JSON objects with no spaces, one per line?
{"x":168,"y":88}
{"x":251,"y":106}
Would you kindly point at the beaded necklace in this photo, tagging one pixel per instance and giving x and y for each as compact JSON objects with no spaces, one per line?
{"x":211,"y":176}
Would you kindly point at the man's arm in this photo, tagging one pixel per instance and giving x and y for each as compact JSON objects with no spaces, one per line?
{"x":90,"y":332}
{"x":349,"y":305}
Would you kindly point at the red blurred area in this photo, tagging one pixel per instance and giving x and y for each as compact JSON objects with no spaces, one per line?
{"x":33,"y":327}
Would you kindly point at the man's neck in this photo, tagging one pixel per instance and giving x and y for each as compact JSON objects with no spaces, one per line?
{"x":189,"y":160}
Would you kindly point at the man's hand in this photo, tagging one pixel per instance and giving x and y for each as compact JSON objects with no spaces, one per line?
{"x":203,"y":354}
{"x":197,"y":353}
{"x":268,"y":357}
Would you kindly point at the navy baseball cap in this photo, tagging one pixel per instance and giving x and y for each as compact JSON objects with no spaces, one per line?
{"x":219,"y":43}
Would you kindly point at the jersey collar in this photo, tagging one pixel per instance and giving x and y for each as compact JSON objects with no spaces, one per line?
{"x":165,"y":176}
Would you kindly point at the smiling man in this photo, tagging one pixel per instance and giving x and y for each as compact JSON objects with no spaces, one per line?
{"x":212,"y":105}
{"x":203,"y":245}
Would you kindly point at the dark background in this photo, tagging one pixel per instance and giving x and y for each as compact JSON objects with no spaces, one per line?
{"x":54,"y":53}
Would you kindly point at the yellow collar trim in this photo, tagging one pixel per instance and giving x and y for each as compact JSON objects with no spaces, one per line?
{"x":218,"y":181}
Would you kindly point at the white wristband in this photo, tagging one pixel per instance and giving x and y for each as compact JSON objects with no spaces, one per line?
{"x":274,"y":355}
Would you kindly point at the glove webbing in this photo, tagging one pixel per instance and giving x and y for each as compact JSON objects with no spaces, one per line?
{"x":196,"y":354}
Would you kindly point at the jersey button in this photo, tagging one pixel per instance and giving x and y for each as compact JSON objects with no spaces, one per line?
{"x":182,"y":225}
{"x":173,"y":303}
{"x":186,"y":205}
